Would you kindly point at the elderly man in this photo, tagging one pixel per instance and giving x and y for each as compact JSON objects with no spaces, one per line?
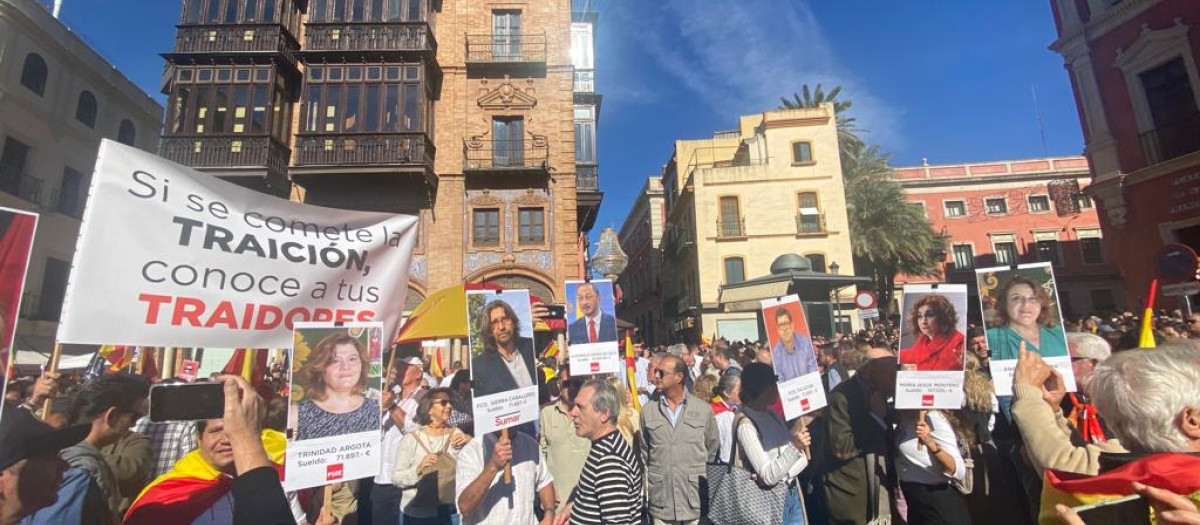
{"x":482,"y":495}
{"x":679,"y":436}
{"x":723,"y":361}
{"x":1193,"y":324}
{"x":563,"y":449}
{"x":610,"y":489}
{"x":30,"y":469}
{"x":1151,"y":400}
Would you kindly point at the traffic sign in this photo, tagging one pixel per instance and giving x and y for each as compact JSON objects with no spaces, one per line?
{"x":868,"y":313}
{"x":1177,"y":261}
{"x":865,"y":300}
{"x":1181,"y":289}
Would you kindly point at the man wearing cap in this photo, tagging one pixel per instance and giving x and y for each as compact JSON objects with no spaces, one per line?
{"x":30,"y":469}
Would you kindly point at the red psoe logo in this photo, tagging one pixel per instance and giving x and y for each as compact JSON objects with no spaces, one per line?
{"x":334,"y":472}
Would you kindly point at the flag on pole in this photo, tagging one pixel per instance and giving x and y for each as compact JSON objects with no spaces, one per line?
{"x":1146,"y":338}
{"x":630,"y":371}
{"x":438,"y":371}
{"x":551,"y":349}
{"x":248,"y":363}
{"x":118,"y":356}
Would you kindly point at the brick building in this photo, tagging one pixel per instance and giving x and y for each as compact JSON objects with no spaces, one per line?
{"x":1134,"y":68}
{"x":641,"y":282}
{"x":1006,"y":212}
{"x":461,"y":113}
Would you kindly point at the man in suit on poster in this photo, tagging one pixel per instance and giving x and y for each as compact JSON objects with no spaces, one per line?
{"x":507,"y":360}
{"x":593,"y":325}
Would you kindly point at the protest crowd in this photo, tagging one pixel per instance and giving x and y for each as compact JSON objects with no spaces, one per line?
{"x":703,"y":439}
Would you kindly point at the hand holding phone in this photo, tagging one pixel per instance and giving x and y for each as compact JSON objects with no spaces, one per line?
{"x":187,"y":402}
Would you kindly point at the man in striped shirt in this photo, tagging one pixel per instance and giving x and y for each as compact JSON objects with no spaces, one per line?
{"x":610,"y":488}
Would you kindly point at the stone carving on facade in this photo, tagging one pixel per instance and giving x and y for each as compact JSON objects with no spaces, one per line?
{"x":486,"y":199}
{"x":530,"y":198}
{"x":507,"y":97}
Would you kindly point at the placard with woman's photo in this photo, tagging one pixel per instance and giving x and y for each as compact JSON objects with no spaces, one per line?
{"x":933,"y":347}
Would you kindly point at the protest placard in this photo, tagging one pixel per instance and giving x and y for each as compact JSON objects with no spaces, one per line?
{"x":793,"y":356}
{"x":169,"y":256}
{"x":1020,"y":304}
{"x":16,"y":243}
{"x":504,"y":379}
{"x":592,"y":328}
{"x":933,"y":347}
{"x":334,"y":414}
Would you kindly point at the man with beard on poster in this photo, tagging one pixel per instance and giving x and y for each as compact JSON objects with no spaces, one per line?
{"x":506,"y":362}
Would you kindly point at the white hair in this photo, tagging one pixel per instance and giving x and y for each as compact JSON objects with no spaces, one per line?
{"x":604,"y":398}
{"x":677,"y":349}
{"x":1089,"y":345}
{"x":1140,"y":394}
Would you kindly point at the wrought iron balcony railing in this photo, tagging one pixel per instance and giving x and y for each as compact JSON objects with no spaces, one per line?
{"x":506,"y":49}
{"x":587,"y":178}
{"x":1164,"y":143}
{"x":728,"y":227}
{"x":258,"y":38}
{"x":16,"y":182}
{"x":483,"y":154}
{"x":585,"y":81}
{"x":810,"y":224}
{"x":375,"y":36}
{"x":226,"y":151}
{"x":364,"y":149}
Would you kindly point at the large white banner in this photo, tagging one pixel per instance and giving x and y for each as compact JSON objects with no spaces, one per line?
{"x":168,"y":256}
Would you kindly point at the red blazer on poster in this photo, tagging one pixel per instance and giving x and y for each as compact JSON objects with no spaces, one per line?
{"x":941,"y":353}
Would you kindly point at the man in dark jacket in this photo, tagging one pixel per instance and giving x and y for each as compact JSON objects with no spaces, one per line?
{"x":30,"y":468}
{"x":506,"y":362}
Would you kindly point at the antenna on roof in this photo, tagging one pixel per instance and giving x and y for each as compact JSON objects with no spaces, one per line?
{"x":57,"y":7}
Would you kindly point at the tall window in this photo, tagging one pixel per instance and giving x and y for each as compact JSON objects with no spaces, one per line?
{"x":229,"y":11}
{"x":1039,"y":203}
{"x":508,"y":141}
{"x":1091,"y":245}
{"x":996,"y":206}
{"x":34,"y":73}
{"x":506,"y":35}
{"x":1047,"y":247}
{"x":363,"y":99}
{"x":1005,"y":248}
{"x":817,"y":260}
{"x":964,"y":256}
{"x":54,"y":289}
{"x":585,"y":135}
{"x":731,"y":217}
{"x":367,"y":11}
{"x":12,"y":166}
{"x":1173,"y":109}
{"x":1083,"y":202}
{"x":485,"y":227}
{"x":801,"y":152}
{"x":85,"y":109}
{"x":126,"y":133}
{"x":808,"y":217}
{"x":531,"y":226}
{"x":221,"y":100}
{"x":955,"y":208}
{"x":70,"y":194}
{"x":735,"y":270}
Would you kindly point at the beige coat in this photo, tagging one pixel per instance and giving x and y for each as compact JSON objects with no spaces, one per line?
{"x":1047,"y":436}
{"x":676,"y":457}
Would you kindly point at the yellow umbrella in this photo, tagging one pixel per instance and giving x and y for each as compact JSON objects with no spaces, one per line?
{"x":441,"y":315}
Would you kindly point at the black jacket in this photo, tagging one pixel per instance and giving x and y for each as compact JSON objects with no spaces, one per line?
{"x":489,"y":373}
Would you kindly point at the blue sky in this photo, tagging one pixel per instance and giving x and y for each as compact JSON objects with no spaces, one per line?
{"x":950,"y":81}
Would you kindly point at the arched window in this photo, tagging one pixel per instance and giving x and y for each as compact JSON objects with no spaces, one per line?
{"x":817,"y":260}
{"x":33,"y":75}
{"x":85,"y":111}
{"x":126,"y":134}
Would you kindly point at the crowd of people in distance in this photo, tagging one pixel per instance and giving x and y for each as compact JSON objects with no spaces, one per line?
{"x":698,"y":417}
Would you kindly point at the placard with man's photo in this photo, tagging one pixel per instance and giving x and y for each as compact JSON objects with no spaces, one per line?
{"x":592,"y":328}
{"x":504,"y":377}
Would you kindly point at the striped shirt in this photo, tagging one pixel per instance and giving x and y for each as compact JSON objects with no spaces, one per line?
{"x":610,"y":488}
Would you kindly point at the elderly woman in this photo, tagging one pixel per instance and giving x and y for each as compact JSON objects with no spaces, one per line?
{"x":938,"y":345}
{"x":335,"y":381}
{"x":426,"y":460}
{"x":725,"y":405}
{"x":1024,"y":313}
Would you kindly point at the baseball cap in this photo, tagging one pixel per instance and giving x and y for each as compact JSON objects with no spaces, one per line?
{"x":415,"y":361}
{"x":22,"y":436}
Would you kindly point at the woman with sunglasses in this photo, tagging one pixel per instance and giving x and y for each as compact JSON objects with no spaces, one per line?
{"x":426,"y":460}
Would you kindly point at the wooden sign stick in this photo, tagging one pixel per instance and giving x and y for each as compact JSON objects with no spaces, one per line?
{"x":921,"y":418}
{"x":52,"y":369}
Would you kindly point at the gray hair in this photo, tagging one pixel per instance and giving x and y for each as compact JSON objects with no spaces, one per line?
{"x":1089,"y":345}
{"x":604,"y":398}
{"x":1140,"y":394}
{"x":727,"y":383}
{"x":677,"y":349}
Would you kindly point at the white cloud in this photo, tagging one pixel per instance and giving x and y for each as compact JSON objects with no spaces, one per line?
{"x":740,"y":57}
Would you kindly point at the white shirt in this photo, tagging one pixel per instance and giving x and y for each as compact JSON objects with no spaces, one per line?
{"x":919,"y":466}
{"x":769,"y":449}
{"x":725,"y":431}
{"x":517,"y":368}
{"x":529,"y":475}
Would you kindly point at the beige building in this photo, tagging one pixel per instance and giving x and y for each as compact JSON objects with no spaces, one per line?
{"x":58,"y":99}
{"x":741,"y":199}
{"x":641,"y":282}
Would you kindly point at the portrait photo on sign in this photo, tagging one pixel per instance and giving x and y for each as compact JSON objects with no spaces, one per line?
{"x":1021,"y":305}
{"x":16,"y":242}
{"x":591,"y":314}
{"x":501,"y":341}
{"x":336,"y":380}
{"x":933,"y":328}
{"x":792,"y":352}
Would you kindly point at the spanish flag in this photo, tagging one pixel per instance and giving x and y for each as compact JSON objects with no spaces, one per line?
{"x":248,"y":363}
{"x":1146,"y":338}
{"x":630,"y":371}
{"x":438,"y":371}
{"x":1173,"y":472}
{"x":551,"y":349}
{"x":191,"y":487}
{"x":118,"y":356}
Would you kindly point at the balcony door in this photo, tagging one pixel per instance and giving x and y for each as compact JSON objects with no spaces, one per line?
{"x":12,"y":165}
{"x":506,"y":35}
{"x":508,"y":142}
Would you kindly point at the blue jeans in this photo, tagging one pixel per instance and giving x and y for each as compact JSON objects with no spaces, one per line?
{"x":793,"y":511}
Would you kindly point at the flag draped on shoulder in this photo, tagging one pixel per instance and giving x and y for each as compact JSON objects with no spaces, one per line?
{"x":1172,"y":472}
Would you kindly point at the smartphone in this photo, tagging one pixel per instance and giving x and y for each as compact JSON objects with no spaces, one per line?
{"x":556,"y":311}
{"x":1130,"y":510}
{"x":187,"y":402}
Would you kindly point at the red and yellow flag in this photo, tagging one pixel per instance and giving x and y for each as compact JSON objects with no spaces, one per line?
{"x":551,"y":349}
{"x":438,"y":371}
{"x":1146,"y":338}
{"x":630,"y":371}
{"x":1173,"y":472}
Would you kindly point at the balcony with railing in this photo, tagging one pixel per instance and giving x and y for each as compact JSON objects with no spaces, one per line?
{"x":235,"y":152}
{"x":244,"y":39}
{"x":16,"y":182}
{"x":506,"y":49}
{"x":731,"y":227}
{"x":1166,"y":142}
{"x":402,"y":150}
{"x":585,"y":81}
{"x":481,"y":154}
{"x":810,"y":224}
{"x":372,"y":36}
{"x":588,"y":195}
{"x":587,"y":178}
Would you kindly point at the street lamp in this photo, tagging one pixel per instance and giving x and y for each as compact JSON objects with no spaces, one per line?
{"x":609,"y":260}
{"x":834,"y":267}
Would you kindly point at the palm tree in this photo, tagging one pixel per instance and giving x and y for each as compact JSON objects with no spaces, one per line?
{"x":847,"y":129}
